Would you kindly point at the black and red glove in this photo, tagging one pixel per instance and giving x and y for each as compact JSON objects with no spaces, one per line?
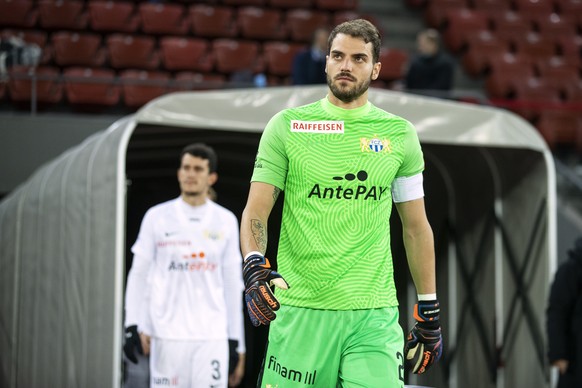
{"x":424,"y":344}
{"x":258,"y":277}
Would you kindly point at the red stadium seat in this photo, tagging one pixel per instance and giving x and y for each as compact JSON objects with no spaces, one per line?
{"x":261,"y":24}
{"x":535,"y":45}
{"x":78,"y":49}
{"x":18,"y":13}
{"x":394,"y":63}
{"x":32,"y":37}
{"x":459,"y":23}
{"x":141,"y":86}
{"x":256,"y":3}
{"x":279,"y":57}
{"x":343,"y":16}
{"x":49,"y":89}
{"x":554,"y":25}
{"x":436,"y":11}
{"x":481,"y":47}
{"x":62,"y":15}
{"x":505,"y":71}
{"x":534,"y":8}
{"x":561,"y":128}
{"x":491,"y":5}
{"x":337,"y":5}
{"x":113,"y":16}
{"x":534,"y":95}
{"x":233,"y":56}
{"x":302,"y":23}
{"x":93,"y":87}
{"x":573,"y":93}
{"x":164,"y":19}
{"x":570,"y":47}
{"x":557,"y":72}
{"x":507,"y":24}
{"x":290,"y":3}
{"x":180,"y":53}
{"x":212,"y":21}
{"x":569,"y":7}
{"x":128,"y":51}
{"x":197,"y":81}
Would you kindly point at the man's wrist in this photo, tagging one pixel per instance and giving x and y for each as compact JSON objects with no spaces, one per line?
{"x":424,"y":297}
{"x":253,"y":253}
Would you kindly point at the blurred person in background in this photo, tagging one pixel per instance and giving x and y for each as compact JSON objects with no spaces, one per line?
{"x":309,"y":64}
{"x":564,"y":320}
{"x":431,"y":71}
{"x":183,"y":304}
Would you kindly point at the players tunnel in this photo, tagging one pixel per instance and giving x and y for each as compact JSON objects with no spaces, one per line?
{"x":65,"y":234}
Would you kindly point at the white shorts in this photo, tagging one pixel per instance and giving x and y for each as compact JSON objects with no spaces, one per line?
{"x":186,"y":364}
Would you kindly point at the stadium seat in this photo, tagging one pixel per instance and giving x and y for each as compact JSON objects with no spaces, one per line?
{"x":302,"y":23}
{"x":279,"y":57}
{"x":504,"y":71}
{"x":197,"y":81}
{"x":570,"y":46}
{"x":337,"y":5}
{"x":436,"y":10}
{"x":534,"y":8}
{"x":113,"y":16}
{"x":128,"y":51}
{"x":569,"y":7}
{"x":180,"y":53}
{"x":49,"y":89}
{"x":261,"y":24}
{"x":491,"y":5}
{"x":62,"y":15}
{"x":256,"y":3}
{"x":532,"y":96}
{"x":234,"y":55}
{"x":481,"y":47}
{"x":290,"y":3}
{"x":141,"y":86}
{"x":78,"y":49}
{"x":507,"y":24}
{"x":557,"y":72}
{"x":91,"y":87}
{"x":394,"y":63}
{"x":32,"y":37}
{"x":535,"y":45}
{"x":554,"y":25}
{"x":561,"y":128}
{"x":209,"y":21}
{"x":573,"y":94}
{"x":459,"y":23}
{"x":164,"y":18}
{"x":343,"y":16}
{"x":18,"y":13}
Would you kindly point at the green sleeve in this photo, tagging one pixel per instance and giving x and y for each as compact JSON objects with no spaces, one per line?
{"x":271,"y":162}
{"x":413,"y":162}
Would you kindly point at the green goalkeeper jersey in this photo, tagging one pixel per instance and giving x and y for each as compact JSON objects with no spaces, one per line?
{"x":336,"y":167}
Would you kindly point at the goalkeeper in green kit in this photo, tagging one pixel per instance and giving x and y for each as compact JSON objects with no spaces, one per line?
{"x":341,"y":162}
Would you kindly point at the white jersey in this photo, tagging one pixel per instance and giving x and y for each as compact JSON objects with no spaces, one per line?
{"x":185,"y":282}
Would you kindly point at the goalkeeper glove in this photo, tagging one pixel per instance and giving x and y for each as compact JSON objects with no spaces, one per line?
{"x":260,"y":300}
{"x":132,"y":342}
{"x":424,"y":344}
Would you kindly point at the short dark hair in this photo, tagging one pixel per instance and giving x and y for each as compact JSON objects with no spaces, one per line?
{"x":202,"y":151}
{"x":359,"y":28}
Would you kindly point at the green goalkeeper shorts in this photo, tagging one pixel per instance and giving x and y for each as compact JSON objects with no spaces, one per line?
{"x":331,"y":348}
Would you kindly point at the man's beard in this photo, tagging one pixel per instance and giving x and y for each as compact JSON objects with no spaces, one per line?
{"x":348,"y":94}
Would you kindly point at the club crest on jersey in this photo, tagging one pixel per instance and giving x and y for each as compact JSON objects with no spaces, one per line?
{"x":375,"y":145}
{"x":317,"y":126}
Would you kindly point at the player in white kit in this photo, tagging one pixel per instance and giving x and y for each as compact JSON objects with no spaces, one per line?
{"x":183,"y":301}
